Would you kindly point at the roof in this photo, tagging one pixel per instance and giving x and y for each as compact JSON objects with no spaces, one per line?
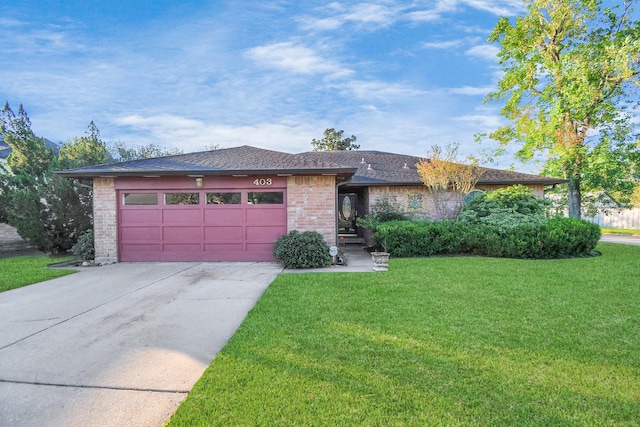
{"x":366,"y":168}
{"x":381,"y":168}
{"x":244,"y":160}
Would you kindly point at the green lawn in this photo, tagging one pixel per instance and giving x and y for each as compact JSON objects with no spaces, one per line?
{"x":16,"y":272}
{"x":438,"y":341}
{"x":624,"y":231}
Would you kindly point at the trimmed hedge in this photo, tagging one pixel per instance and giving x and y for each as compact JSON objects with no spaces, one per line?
{"x":302,"y":250}
{"x":553,"y":238}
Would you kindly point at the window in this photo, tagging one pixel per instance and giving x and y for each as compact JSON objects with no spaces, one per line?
{"x":139,"y":199}
{"x":415,"y":201}
{"x":266,"y":198}
{"x":223,"y":198}
{"x":472,"y":195}
{"x":181,"y":198}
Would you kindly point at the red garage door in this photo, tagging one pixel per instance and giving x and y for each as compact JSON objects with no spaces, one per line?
{"x":205,"y":225}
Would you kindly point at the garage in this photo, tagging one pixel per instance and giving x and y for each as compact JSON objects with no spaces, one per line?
{"x":200,"y":218}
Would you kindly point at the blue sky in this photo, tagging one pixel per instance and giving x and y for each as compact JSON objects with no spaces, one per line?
{"x":400,"y":75}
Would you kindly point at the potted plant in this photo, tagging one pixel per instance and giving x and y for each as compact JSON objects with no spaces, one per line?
{"x":380,"y":261}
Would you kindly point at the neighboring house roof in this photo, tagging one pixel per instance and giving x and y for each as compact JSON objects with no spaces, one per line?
{"x":244,"y":160}
{"x":381,"y":168}
{"x":367,"y":167}
{"x":5,"y":150}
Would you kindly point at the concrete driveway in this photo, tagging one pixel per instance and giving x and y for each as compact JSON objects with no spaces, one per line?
{"x":119,"y":345}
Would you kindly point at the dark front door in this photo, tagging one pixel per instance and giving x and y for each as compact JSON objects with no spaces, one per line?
{"x":347,"y":214}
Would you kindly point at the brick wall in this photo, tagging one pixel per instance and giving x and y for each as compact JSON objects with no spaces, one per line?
{"x":311,"y":205}
{"x":406,"y":198}
{"x":105,"y":220}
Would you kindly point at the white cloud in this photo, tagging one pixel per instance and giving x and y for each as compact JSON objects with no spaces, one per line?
{"x":472,"y":90}
{"x":449,"y":44}
{"x":366,"y":16}
{"x":497,"y":7}
{"x":194,"y":135}
{"x":296,"y":59}
{"x":485,"y":52}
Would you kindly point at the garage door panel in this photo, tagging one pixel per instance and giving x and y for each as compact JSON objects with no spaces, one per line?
{"x":140,"y":233}
{"x":140,"y":216}
{"x":264,"y":234}
{"x":182,"y":234}
{"x":182,"y":247}
{"x":266,"y":216}
{"x":181,"y":216}
{"x":223,"y":234}
{"x":223,"y":216}
{"x":221,"y":248}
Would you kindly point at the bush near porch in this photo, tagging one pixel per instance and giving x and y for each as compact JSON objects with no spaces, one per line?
{"x":509,"y":223}
{"x":554,"y":238}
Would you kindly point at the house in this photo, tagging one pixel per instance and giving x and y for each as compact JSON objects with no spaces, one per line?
{"x":232,"y":204}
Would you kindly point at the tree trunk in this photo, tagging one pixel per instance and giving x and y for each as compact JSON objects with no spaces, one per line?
{"x":575,"y":198}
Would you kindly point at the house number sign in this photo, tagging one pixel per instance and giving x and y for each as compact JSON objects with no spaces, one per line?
{"x":262,"y":181}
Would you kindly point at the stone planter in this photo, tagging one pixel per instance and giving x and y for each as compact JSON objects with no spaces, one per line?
{"x":380,"y":261}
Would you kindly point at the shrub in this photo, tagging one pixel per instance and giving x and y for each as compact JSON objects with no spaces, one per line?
{"x":84,"y":248}
{"x":302,"y":250}
{"x":505,"y":208}
{"x":554,"y":238}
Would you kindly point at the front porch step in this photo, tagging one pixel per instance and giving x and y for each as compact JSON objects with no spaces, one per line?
{"x":347,"y":240}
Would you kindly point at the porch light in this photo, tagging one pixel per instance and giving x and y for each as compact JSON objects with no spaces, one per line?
{"x":199,"y":182}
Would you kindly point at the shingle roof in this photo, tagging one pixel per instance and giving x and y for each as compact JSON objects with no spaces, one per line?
{"x":381,"y":168}
{"x":367,"y":167}
{"x":238,"y":160}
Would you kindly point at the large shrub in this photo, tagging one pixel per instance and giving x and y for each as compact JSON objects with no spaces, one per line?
{"x":302,"y":250}
{"x":505,"y":208}
{"x":554,"y":238}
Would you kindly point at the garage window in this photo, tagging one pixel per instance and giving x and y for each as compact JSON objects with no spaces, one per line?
{"x":223,"y":198}
{"x":139,"y":199}
{"x":266,"y":198}
{"x":181,"y":198}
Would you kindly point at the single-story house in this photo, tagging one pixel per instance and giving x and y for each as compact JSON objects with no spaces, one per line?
{"x":232,"y":204}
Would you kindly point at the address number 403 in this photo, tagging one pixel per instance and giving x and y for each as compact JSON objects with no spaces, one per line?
{"x":262,"y":181}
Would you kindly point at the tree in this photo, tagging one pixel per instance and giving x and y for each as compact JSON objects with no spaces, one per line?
{"x":122,"y":153}
{"x":570,"y":69}
{"x":333,"y":141}
{"x":448,"y":178}
{"x":48,"y":211}
{"x":87,"y":150}
{"x":30,"y":155}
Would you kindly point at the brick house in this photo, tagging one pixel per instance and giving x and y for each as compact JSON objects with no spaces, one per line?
{"x":232,"y":204}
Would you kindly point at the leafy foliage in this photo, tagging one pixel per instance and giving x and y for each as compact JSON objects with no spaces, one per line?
{"x":333,"y":141}
{"x":505,"y":208}
{"x":554,"y":238}
{"x":570,"y":69}
{"x":448,"y":178}
{"x":123,"y":153}
{"x":85,"y":247}
{"x":302,"y":250}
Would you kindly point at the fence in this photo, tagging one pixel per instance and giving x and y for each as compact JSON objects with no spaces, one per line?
{"x":627,"y":218}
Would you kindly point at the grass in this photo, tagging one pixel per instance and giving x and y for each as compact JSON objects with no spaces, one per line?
{"x":438,"y":341}
{"x":26,"y":270}
{"x":624,"y":231}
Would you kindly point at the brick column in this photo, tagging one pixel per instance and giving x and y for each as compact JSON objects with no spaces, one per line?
{"x":105,"y":219}
{"x":311,"y":205}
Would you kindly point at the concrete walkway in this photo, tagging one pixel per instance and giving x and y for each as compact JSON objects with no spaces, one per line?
{"x":619,"y":238}
{"x":358,"y":261}
{"x":119,"y":345}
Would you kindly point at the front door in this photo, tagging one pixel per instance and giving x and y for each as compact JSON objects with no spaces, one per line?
{"x":347,"y":214}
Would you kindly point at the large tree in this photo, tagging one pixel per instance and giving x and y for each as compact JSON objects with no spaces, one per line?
{"x":570,"y":73}
{"x":333,"y":141}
